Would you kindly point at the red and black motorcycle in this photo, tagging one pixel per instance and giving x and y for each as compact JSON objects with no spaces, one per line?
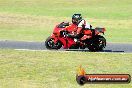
{"x":90,"y":38}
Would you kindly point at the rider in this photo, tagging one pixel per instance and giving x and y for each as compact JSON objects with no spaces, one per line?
{"x":81,"y":24}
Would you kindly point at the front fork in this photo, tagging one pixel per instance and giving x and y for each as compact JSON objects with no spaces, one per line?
{"x":61,"y":39}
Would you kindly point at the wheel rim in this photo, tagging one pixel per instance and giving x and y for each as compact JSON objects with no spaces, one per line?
{"x":52,"y":45}
{"x":102,"y":43}
{"x":97,"y":45}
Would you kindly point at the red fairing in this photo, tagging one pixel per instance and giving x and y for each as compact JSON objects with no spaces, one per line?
{"x":70,"y":42}
{"x":57,"y":30}
{"x":67,"y":42}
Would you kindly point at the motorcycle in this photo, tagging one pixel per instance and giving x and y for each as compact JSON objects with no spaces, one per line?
{"x":90,"y":38}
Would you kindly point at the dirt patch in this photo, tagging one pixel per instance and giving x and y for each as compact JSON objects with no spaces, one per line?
{"x":26,"y":20}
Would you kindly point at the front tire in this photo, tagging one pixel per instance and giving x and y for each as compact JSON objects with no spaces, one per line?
{"x":49,"y":43}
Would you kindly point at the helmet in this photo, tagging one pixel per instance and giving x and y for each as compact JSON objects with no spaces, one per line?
{"x":76,"y":18}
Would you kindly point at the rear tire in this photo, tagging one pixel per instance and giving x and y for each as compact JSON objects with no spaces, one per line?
{"x":97,"y":43}
{"x":49,"y":43}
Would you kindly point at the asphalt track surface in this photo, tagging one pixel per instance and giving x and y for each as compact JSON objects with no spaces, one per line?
{"x":111,"y":47}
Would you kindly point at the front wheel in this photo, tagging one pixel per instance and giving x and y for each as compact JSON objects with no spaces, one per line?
{"x":97,"y":43}
{"x":49,"y":43}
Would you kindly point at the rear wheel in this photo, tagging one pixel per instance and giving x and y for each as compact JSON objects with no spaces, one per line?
{"x":97,"y":43}
{"x":49,"y":43}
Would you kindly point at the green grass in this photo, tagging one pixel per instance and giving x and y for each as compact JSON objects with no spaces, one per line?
{"x":34,"y":20}
{"x":51,"y":69}
{"x":92,"y":8}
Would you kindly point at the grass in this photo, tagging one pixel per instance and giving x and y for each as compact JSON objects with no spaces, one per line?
{"x":51,"y":69}
{"x":92,"y":8}
{"x":34,"y":20}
